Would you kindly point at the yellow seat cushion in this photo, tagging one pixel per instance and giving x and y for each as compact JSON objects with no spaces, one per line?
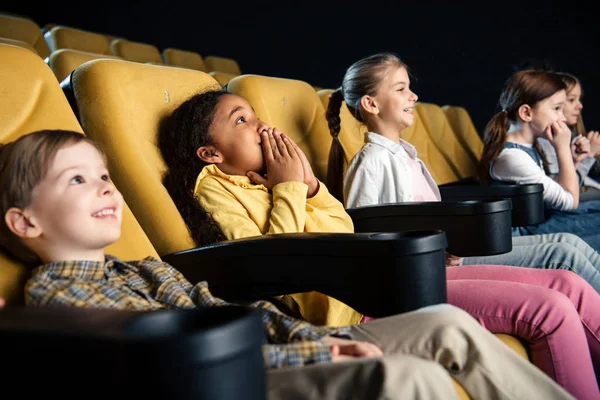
{"x":135,"y":51}
{"x":222,"y":64}
{"x":183,"y":58}
{"x":64,"y":61}
{"x":464,"y":129}
{"x":26,"y":30}
{"x":63,"y":37}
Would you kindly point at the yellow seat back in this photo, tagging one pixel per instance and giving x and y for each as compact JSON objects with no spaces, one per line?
{"x":63,"y":37}
{"x":31,"y":99}
{"x":222,"y":77}
{"x":293,"y":107}
{"x":19,"y":43}
{"x":183,"y":58}
{"x":26,"y":30}
{"x":121,"y":105}
{"x":135,"y":51}
{"x":64,"y":61}
{"x":443,"y":137}
{"x":464,"y":129}
{"x":222,"y":64}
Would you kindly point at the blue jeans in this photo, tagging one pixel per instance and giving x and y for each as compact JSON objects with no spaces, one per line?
{"x":549,"y":251}
{"x":583,"y":222}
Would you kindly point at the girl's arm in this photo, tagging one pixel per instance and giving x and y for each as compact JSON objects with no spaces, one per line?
{"x":560,"y":136}
{"x":516,"y":166}
{"x":287,"y":213}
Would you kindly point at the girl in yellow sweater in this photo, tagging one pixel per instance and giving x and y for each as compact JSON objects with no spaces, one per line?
{"x":231,"y":176}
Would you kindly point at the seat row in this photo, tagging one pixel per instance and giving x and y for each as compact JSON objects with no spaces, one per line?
{"x":88,"y":45}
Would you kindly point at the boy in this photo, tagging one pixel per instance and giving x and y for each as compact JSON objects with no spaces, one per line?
{"x":61,"y":210}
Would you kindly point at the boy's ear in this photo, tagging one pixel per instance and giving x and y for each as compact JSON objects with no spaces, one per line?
{"x":525,"y":113}
{"x":369,"y":104}
{"x":209,"y":154}
{"x":20,"y":224}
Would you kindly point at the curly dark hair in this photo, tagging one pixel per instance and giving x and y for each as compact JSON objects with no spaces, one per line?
{"x":180,"y":135}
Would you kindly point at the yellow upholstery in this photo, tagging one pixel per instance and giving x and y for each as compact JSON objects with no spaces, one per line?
{"x":19,"y":43}
{"x":417,"y":135}
{"x":64,"y":61}
{"x":63,"y":37}
{"x":31,"y":99}
{"x":222,"y":77}
{"x":121,"y":104}
{"x":222,"y":64}
{"x":24,"y":29}
{"x":444,"y":138}
{"x":293,"y":107}
{"x":183,"y":58}
{"x":465,"y":131}
{"x":135,"y":51}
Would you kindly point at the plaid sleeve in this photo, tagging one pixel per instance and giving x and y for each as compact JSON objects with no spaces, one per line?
{"x":296,"y":354}
{"x":280,"y":328}
{"x":43,"y":291}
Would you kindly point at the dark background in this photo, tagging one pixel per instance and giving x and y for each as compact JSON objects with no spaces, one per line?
{"x":459,"y":53}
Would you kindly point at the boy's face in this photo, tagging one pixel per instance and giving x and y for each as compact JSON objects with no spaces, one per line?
{"x":76,"y":206}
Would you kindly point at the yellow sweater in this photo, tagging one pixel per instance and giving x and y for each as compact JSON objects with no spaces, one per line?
{"x":243,"y":209}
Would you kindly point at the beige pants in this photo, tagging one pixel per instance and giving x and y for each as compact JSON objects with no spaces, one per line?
{"x":423,"y":350}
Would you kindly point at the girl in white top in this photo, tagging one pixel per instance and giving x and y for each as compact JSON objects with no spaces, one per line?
{"x":532,"y":107}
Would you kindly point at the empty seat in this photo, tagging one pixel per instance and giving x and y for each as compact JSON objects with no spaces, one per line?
{"x":64,"y":61}
{"x":222,"y":77}
{"x":63,"y":37}
{"x":183,"y":58}
{"x":443,"y":137}
{"x":31,"y":99}
{"x":464,"y":129}
{"x":222,"y":64}
{"x":19,"y":43}
{"x":135,"y":51}
{"x":26,"y":30}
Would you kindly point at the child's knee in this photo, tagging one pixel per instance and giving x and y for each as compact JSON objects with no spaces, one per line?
{"x":414,"y":376}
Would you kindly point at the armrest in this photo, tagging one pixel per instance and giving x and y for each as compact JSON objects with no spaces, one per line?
{"x":378,"y":274}
{"x":184,"y":353}
{"x":473,"y":228}
{"x":527,"y":200}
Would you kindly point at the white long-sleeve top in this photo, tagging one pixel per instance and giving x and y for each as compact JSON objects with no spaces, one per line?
{"x":380,"y":173}
{"x":517,"y":166}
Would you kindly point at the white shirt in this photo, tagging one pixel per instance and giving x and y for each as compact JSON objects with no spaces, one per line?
{"x":515,"y":165}
{"x":380,"y":173}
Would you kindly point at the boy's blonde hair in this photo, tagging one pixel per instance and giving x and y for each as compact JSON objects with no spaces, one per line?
{"x":23,"y":165}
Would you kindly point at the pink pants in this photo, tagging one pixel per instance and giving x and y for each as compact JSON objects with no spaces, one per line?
{"x":553,"y":311}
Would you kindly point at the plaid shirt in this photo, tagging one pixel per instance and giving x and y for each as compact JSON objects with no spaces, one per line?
{"x":151,"y":284}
